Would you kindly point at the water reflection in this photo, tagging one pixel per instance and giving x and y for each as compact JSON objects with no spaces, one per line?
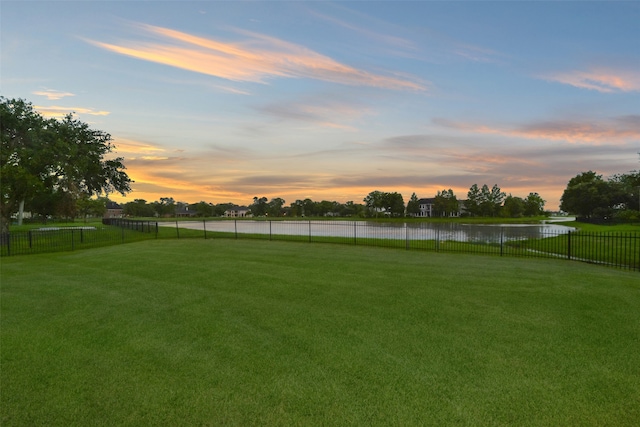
{"x":485,"y":233}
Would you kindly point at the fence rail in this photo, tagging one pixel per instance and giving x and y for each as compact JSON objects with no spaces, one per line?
{"x":621,"y":250}
{"x":55,"y":239}
{"x":132,"y":224}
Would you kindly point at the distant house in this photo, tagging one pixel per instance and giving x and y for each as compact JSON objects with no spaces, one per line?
{"x":426,"y":208}
{"x":237,"y":212}
{"x":114,"y":210}
{"x":184,"y":212}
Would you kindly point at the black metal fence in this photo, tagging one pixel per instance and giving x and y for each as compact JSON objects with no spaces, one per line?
{"x":614,"y":249}
{"x":54,"y":239}
{"x":132,"y":224}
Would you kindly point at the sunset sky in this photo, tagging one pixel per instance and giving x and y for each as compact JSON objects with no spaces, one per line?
{"x":222,"y":101}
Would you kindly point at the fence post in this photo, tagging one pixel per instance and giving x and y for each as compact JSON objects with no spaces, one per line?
{"x":72,"y":243}
{"x":235,"y":224}
{"x":269,"y":230}
{"x":8,"y":244}
{"x":309,"y":231}
{"x":406,"y":236}
{"x":122,"y":231}
{"x":569,"y":245}
{"x":177,"y":229}
{"x":204,"y":227}
{"x":438,"y":239}
{"x":355,"y":241}
{"x":30,"y":240}
{"x":157,"y":229}
{"x":501,"y":241}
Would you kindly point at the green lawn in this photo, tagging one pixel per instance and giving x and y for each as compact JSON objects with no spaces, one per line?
{"x":251,"y":332}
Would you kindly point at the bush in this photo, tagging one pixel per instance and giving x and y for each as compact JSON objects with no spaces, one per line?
{"x":627,"y":215}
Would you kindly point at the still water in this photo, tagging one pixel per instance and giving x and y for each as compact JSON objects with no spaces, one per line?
{"x":363,"y":229}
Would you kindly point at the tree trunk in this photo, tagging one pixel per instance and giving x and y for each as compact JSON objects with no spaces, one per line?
{"x":20,"y":212}
{"x":5,"y":216}
{"x":4,"y":225}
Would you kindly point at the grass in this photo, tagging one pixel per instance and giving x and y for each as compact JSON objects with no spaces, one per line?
{"x":250,"y":332}
{"x":616,"y":247}
{"x":617,"y":228}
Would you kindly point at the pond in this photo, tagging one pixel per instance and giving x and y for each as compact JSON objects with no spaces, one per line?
{"x":454,"y":231}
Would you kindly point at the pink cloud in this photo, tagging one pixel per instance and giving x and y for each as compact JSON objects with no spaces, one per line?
{"x":600,"y":79}
{"x":609,"y":131}
{"x":254,"y":60}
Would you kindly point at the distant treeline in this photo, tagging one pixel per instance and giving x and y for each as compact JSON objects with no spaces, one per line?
{"x":481,"y":201}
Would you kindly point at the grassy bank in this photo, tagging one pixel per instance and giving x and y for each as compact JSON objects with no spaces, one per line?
{"x":214,"y":332}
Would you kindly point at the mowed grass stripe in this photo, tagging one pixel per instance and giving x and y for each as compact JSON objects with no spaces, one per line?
{"x":225,"y":332}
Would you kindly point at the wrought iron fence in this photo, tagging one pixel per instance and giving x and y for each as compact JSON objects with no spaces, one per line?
{"x":54,"y":239}
{"x":614,"y":249}
{"x":620,"y":250}
{"x":132,"y":224}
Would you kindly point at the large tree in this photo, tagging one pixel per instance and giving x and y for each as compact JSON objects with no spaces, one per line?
{"x":474,"y":198}
{"x":49,"y":159}
{"x":274,"y":207}
{"x":534,"y":205}
{"x":445,"y":203}
{"x":374,"y":201}
{"x":166,"y":206}
{"x":629,"y":186}
{"x":259,"y":206}
{"x":202,"y":208}
{"x":379,"y":202}
{"x":492,"y":200}
{"x":138,"y":208}
{"x":588,"y":195}
{"x":484,"y":201}
{"x":87,"y":206}
{"x":513,"y":206}
{"x":394,"y":204}
{"x":413,"y":205}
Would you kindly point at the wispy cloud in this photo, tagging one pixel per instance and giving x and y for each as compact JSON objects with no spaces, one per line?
{"x":256,"y":59}
{"x":55,"y":111}
{"x":162,"y":180}
{"x":229,"y":89}
{"x":130,"y":146}
{"x":440,"y":45}
{"x":400,"y":45}
{"x":52,"y":95}
{"x":617,"y":130}
{"x":324,"y":113}
{"x":475,"y":53}
{"x":603,"y":80}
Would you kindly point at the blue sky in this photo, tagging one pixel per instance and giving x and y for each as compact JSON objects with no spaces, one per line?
{"x":224,"y":101}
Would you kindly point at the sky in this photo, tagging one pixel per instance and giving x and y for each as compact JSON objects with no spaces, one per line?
{"x":222,"y":101}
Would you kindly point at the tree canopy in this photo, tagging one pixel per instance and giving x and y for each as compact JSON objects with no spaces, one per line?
{"x":589,"y":195}
{"x":484,"y":201}
{"x":51,"y":164}
{"x":445,"y":203}
{"x":413,"y":205}
{"x":380,"y":202}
